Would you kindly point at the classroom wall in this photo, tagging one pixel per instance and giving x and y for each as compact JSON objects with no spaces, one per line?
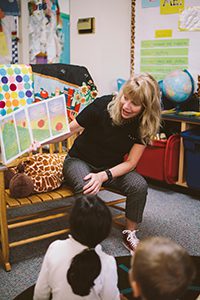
{"x":106,"y":53}
{"x":149,"y":19}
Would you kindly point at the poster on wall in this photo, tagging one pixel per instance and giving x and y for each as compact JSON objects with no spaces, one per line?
{"x":45,"y":36}
{"x":171,"y":7}
{"x":161,"y":45}
{"x":160,"y":57}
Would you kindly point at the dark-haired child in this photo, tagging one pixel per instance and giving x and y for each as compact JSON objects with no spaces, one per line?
{"x":77,"y":268}
{"x":160,"y":270}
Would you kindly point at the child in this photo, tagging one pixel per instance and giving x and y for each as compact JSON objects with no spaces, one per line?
{"x":77,"y":267}
{"x":161,"y":270}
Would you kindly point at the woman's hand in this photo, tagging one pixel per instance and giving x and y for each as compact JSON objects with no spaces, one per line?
{"x":34,"y":146}
{"x":122,"y":297}
{"x":95,"y":183}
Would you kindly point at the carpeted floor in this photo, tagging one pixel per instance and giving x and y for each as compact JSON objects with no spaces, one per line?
{"x":167,"y":213}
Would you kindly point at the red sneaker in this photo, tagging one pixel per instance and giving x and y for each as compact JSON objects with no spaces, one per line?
{"x":130,"y":240}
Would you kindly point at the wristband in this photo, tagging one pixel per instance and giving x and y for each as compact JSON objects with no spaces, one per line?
{"x":109,"y":174}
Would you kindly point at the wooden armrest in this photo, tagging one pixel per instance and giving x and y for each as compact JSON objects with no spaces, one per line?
{"x":3,"y":168}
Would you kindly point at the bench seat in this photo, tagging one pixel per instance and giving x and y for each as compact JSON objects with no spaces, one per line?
{"x":7,"y":222}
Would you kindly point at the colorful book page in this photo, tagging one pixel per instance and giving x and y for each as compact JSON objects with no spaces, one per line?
{"x":23,"y":129}
{"x":16,"y":87}
{"x":50,"y":84}
{"x":9,"y":139}
{"x":42,"y":122}
{"x":39,"y":123}
{"x":58,"y":116}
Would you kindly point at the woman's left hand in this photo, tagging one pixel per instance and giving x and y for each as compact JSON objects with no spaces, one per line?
{"x":94,"y":184}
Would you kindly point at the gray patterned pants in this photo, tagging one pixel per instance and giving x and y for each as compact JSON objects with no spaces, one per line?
{"x":132,"y":185}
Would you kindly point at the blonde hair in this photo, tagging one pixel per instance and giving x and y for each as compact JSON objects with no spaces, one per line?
{"x":162,"y":269}
{"x":143,"y":90}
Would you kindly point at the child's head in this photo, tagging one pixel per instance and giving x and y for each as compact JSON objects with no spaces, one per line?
{"x":90,"y":220}
{"x":90,"y":223}
{"x":161,"y":269}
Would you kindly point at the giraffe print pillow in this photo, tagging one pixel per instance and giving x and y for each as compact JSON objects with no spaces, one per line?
{"x":44,"y":169}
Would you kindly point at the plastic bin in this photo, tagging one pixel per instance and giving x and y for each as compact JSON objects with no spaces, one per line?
{"x":191,"y":141}
{"x":160,"y":161}
{"x":120,"y":83}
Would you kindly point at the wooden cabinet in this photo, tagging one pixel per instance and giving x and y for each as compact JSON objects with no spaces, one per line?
{"x":180,"y":124}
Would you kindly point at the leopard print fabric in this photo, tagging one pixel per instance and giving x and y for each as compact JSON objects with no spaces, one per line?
{"x":133,"y":4}
{"x":45,"y":170}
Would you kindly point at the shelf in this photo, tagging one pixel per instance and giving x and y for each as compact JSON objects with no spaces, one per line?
{"x":181,"y":119}
{"x":186,"y":122}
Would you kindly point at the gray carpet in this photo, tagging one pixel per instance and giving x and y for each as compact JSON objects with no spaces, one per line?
{"x":167,"y":213}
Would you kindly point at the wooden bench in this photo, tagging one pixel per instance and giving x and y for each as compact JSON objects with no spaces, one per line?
{"x":8,"y":203}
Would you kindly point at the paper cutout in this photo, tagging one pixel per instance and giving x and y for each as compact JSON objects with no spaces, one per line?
{"x":164,"y":60}
{"x":3,"y":44}
{"x":165,"y":52}
{"x":160,"y":69}
{"x":171,"y":7}
{"x":189,"y":19}
{"x":163,"y":33}
{"x":40,"y":122}
{"x":150,"y":3}
{"x":165,"y":43}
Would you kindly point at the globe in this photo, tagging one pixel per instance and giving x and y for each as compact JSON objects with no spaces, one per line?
{"x":177,"y":86}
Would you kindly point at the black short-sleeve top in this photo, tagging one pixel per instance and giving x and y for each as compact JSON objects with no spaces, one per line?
{"x":103,"y":144}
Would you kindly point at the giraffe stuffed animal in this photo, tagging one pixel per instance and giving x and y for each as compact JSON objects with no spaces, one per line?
{"x":36,"y":174}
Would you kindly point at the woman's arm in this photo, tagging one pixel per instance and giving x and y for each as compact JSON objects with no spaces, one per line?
{"x":97,"y":179}
{"x":130,"y":163}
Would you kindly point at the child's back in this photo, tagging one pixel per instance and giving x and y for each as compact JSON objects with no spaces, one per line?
{"x":77,"y":267}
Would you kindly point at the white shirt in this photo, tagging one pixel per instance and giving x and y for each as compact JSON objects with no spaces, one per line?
{"x":57,"y":260}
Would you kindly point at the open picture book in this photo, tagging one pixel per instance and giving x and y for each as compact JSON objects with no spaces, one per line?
{"x":41,"y":121}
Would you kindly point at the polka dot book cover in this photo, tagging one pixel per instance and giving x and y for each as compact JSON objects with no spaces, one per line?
{"x":16,"y":88}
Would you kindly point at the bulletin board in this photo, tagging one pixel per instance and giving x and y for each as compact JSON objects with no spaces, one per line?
{"x":167,"y":38}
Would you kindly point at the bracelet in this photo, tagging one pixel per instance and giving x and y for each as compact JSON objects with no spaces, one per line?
{"x":109,"y":174}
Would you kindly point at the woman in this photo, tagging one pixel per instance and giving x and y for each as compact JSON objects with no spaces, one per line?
{"x":112,"y":127}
